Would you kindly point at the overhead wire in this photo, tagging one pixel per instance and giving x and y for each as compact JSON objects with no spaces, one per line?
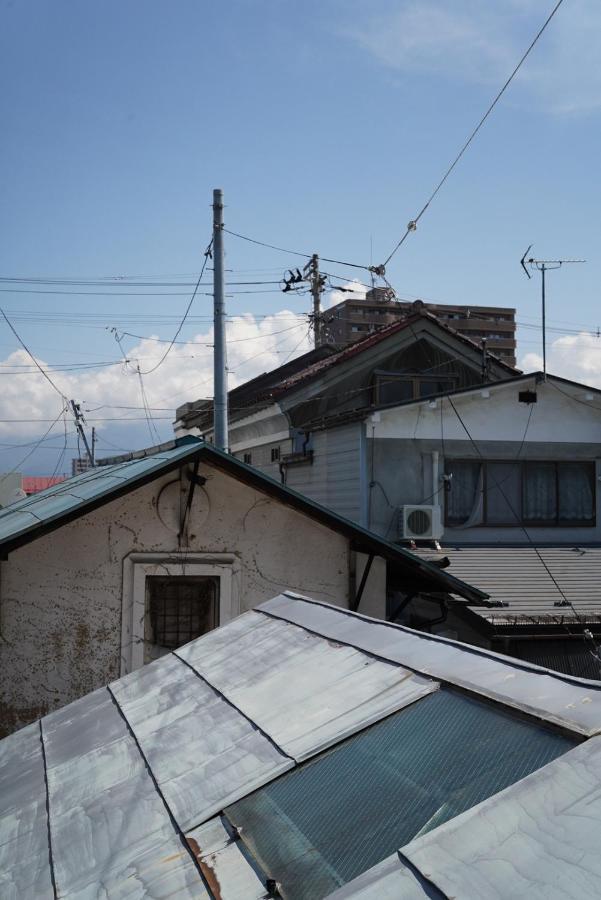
{"x":296,"y":252}
{"x":185,"y":316}
{"x":413,"y":222}
{"x":37,"y":444}
{"x":30,"y":354}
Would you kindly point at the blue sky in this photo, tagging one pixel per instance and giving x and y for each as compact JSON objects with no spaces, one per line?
{"x":327,"y":125}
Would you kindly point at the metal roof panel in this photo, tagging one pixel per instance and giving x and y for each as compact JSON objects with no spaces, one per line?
{"x":107,"y":820}
{"x":538,"y":839}
{"x":328,"y":695}
{"x":202,"y":751}
{"x":388,"y":880}
{"x":570,"y":702}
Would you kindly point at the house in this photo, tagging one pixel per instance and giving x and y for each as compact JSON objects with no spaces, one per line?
{"x":119,"y":565}
{"x":305,"y":751}
{"x":273,"y":418}
{"x":505,"y":475}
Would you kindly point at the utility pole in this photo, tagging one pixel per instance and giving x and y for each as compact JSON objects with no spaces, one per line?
{"x":220,"y":423}
{"x":317,"y":283}
{"x":79,"y":419}
{"x":93,"y":446}
{"x":543,"y":266}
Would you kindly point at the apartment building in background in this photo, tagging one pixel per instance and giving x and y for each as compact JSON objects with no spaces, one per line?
{"x":352,"y":320}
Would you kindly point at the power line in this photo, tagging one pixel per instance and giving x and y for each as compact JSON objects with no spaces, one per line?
{"x":28,"y":351}
{"x":36,"y":445}
{"x":337,"y":262}
{"x":140,"y":294}
{"x":185,"y":316}
{"x":98,"y":283}
{"x":413,"y":223}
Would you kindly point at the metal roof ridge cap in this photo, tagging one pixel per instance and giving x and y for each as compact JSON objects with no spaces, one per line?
{"x":467,"y":648}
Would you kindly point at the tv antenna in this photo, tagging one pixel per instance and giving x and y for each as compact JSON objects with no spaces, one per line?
{"x":543,"y":266}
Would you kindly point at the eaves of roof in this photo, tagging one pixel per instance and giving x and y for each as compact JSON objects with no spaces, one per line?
{"x":267,"y":386}
{"x":46,"y":511}
{"x":373,"y":339}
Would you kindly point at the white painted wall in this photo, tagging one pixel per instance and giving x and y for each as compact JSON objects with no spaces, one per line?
{"x":63,"y":598}
{"x":495,"y":414}
{"x":564,"y":424}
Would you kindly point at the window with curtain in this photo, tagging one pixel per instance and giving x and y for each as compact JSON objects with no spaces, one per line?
{"x":505,"y":492}
{"x":465,"y":485}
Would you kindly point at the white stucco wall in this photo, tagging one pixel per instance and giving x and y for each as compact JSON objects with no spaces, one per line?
{"x":61,"y":597}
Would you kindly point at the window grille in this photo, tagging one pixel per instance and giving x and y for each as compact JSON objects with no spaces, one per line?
{"x":179,"y":610}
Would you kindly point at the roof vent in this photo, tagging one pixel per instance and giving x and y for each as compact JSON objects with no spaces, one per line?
{"x":527,"y":396}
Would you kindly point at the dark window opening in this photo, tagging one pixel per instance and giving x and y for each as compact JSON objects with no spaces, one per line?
{"x":275,"y":454}
{"x":248,"y":458}
{"x":396,"y":387}
{"x":178,"y":610}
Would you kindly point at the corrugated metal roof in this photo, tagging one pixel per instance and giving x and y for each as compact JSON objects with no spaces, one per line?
{"x":117,"y":794}
{"x":531,"y":581}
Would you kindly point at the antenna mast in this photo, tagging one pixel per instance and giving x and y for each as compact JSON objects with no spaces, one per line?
{"x":543,"y":266}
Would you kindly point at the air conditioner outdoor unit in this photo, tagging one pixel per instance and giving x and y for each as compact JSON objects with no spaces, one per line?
{"x":420,"y":523}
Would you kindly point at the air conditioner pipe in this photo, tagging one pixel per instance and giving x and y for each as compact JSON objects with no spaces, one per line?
{"x":435,"y":476}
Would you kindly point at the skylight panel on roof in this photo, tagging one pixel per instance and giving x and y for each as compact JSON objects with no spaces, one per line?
{"x":333,"y":818}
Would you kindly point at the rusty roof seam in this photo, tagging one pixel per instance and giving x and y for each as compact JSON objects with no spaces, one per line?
{"x":240,"y":712}
{"x":157,"y":788}
{"x":50,"y":856}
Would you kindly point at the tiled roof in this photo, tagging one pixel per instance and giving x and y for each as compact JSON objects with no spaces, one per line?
{"x":533,"y":584}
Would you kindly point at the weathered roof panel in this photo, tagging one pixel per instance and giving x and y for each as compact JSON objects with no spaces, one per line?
{"x":566,"y":701}
{"x":24,"y":858}
{"x":538,"y":839}
{"x":137,"y":773}
{"x":109,"y":825}
{"x":389,"y":880}
{"x":202,"y":751}
{"x":327,"y":695}
{"x":224,"y":865}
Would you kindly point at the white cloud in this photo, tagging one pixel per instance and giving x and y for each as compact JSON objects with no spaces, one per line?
{"x":255,"y":345}
{"x":576,"y":357}
{"x":480,"y":42}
